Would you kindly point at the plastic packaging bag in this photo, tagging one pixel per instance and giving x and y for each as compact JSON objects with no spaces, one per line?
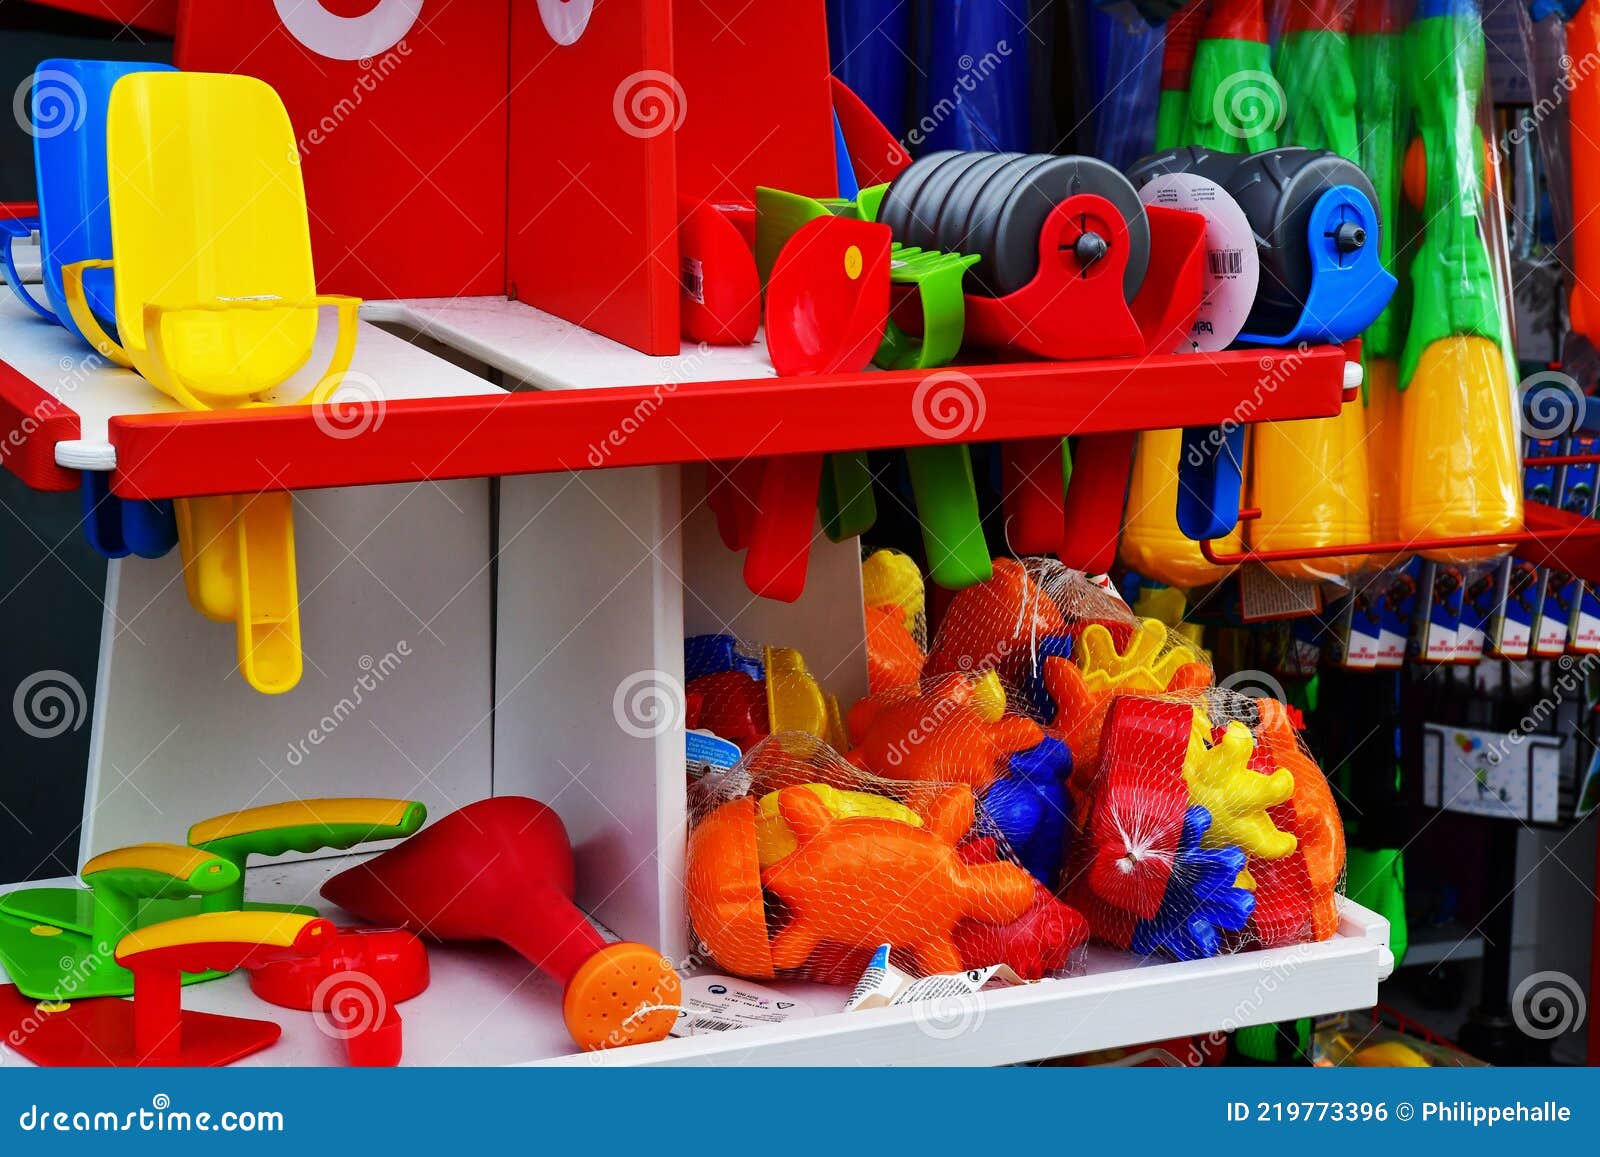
{"x":1205,"y":828}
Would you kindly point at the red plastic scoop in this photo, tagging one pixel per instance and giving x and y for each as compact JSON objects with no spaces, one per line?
{"x":356,"y":982}
{"x":501,"y":869}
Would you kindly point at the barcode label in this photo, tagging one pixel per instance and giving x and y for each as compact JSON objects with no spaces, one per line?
{"x":1226,"y":262}
{"x":706,"y":1024}
{"x":693,"y":277}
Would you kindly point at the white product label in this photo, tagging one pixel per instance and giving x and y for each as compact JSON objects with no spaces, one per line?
{"x":724,"y":1004}
{"x":1264,"y":595}
{"x":1488,"y":773}
{"x":882,"y":984}
{"x":1233,"y":268}
{"x":1586,"y":631}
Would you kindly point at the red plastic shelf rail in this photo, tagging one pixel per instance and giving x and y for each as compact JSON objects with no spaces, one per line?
{"x":31,"y":423}
{"x":184,"y":455}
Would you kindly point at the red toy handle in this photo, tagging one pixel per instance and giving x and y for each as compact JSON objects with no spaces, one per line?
{"x":1034,"y":494}
{"x":1092,"y":518}
{"x":780,"y":539}
{"x":160,"y":954}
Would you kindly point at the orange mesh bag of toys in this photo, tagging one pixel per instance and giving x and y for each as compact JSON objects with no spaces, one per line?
{"x":802,"y":864}
{"x":970,"y":728}
{"x":1204,"y":828}
{"x":1067,"y":645}
{"x":894,"y":594}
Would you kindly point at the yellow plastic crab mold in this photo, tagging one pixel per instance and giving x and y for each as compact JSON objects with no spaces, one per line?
{"x":1221,"y":780}
{"x":1142,"y":667}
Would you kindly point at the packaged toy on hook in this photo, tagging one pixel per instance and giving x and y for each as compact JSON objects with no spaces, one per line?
{"x":1205,"y":828}
{"x":1459,"y":472}
{"x":801,"y":864}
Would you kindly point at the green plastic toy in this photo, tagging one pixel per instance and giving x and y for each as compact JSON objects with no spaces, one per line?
{"x":308,"y":825}
{"x":1235,"y":102}
{"x":1377,"y":55}
{"x":75,"y":960}
{"x":941,"y":476}
{"x":57,"y":943}
{"x":1452,"y":280}
{"x":1319,"y":86}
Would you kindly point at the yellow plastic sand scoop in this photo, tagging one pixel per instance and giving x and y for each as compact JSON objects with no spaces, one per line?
{"x":217,"y":307}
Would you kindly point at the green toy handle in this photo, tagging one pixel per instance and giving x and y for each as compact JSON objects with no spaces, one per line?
{"x":845,"y":499}
{"x":1452,"y":280}
{"x":120,"y":879}
{"x":1376,"y":59}
{"x":305,"y":826}
{"x":938,"y":280}
{"x":947,"y":508}
{"x":1319,"y":91}
{"x":1235,"y":103}
{"x":159,"y":872}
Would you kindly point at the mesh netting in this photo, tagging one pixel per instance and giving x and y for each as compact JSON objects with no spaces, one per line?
{"x":1057,"y":768}
{"x":1204,"y":828}
{"x":745,"y":692}
{"x":897,"y":620}
{"x":801,"y":864}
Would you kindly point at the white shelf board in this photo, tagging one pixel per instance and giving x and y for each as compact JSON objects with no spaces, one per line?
{"x":540,"y":351}
{"x":58,"y":363}
{"x":487,"y":1007}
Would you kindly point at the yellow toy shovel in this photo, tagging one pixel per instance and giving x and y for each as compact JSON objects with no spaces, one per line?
{"x":217,"y":307}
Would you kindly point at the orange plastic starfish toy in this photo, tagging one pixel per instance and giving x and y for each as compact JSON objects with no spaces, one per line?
{"x":864,"y":881}
{"x":944,"y":734}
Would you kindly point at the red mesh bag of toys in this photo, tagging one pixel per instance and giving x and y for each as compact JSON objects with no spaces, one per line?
{"x":1204,"y":828}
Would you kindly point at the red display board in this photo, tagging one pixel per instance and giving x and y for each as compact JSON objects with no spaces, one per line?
{"x":399,"y":108}
{"x":759,"y":98}
{"x":592,"y":227}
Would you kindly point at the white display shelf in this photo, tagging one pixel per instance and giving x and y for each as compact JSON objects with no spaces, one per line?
{"x":536,"y":350}
{"x":487,"y":1007}
{"x":384,"y":366}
